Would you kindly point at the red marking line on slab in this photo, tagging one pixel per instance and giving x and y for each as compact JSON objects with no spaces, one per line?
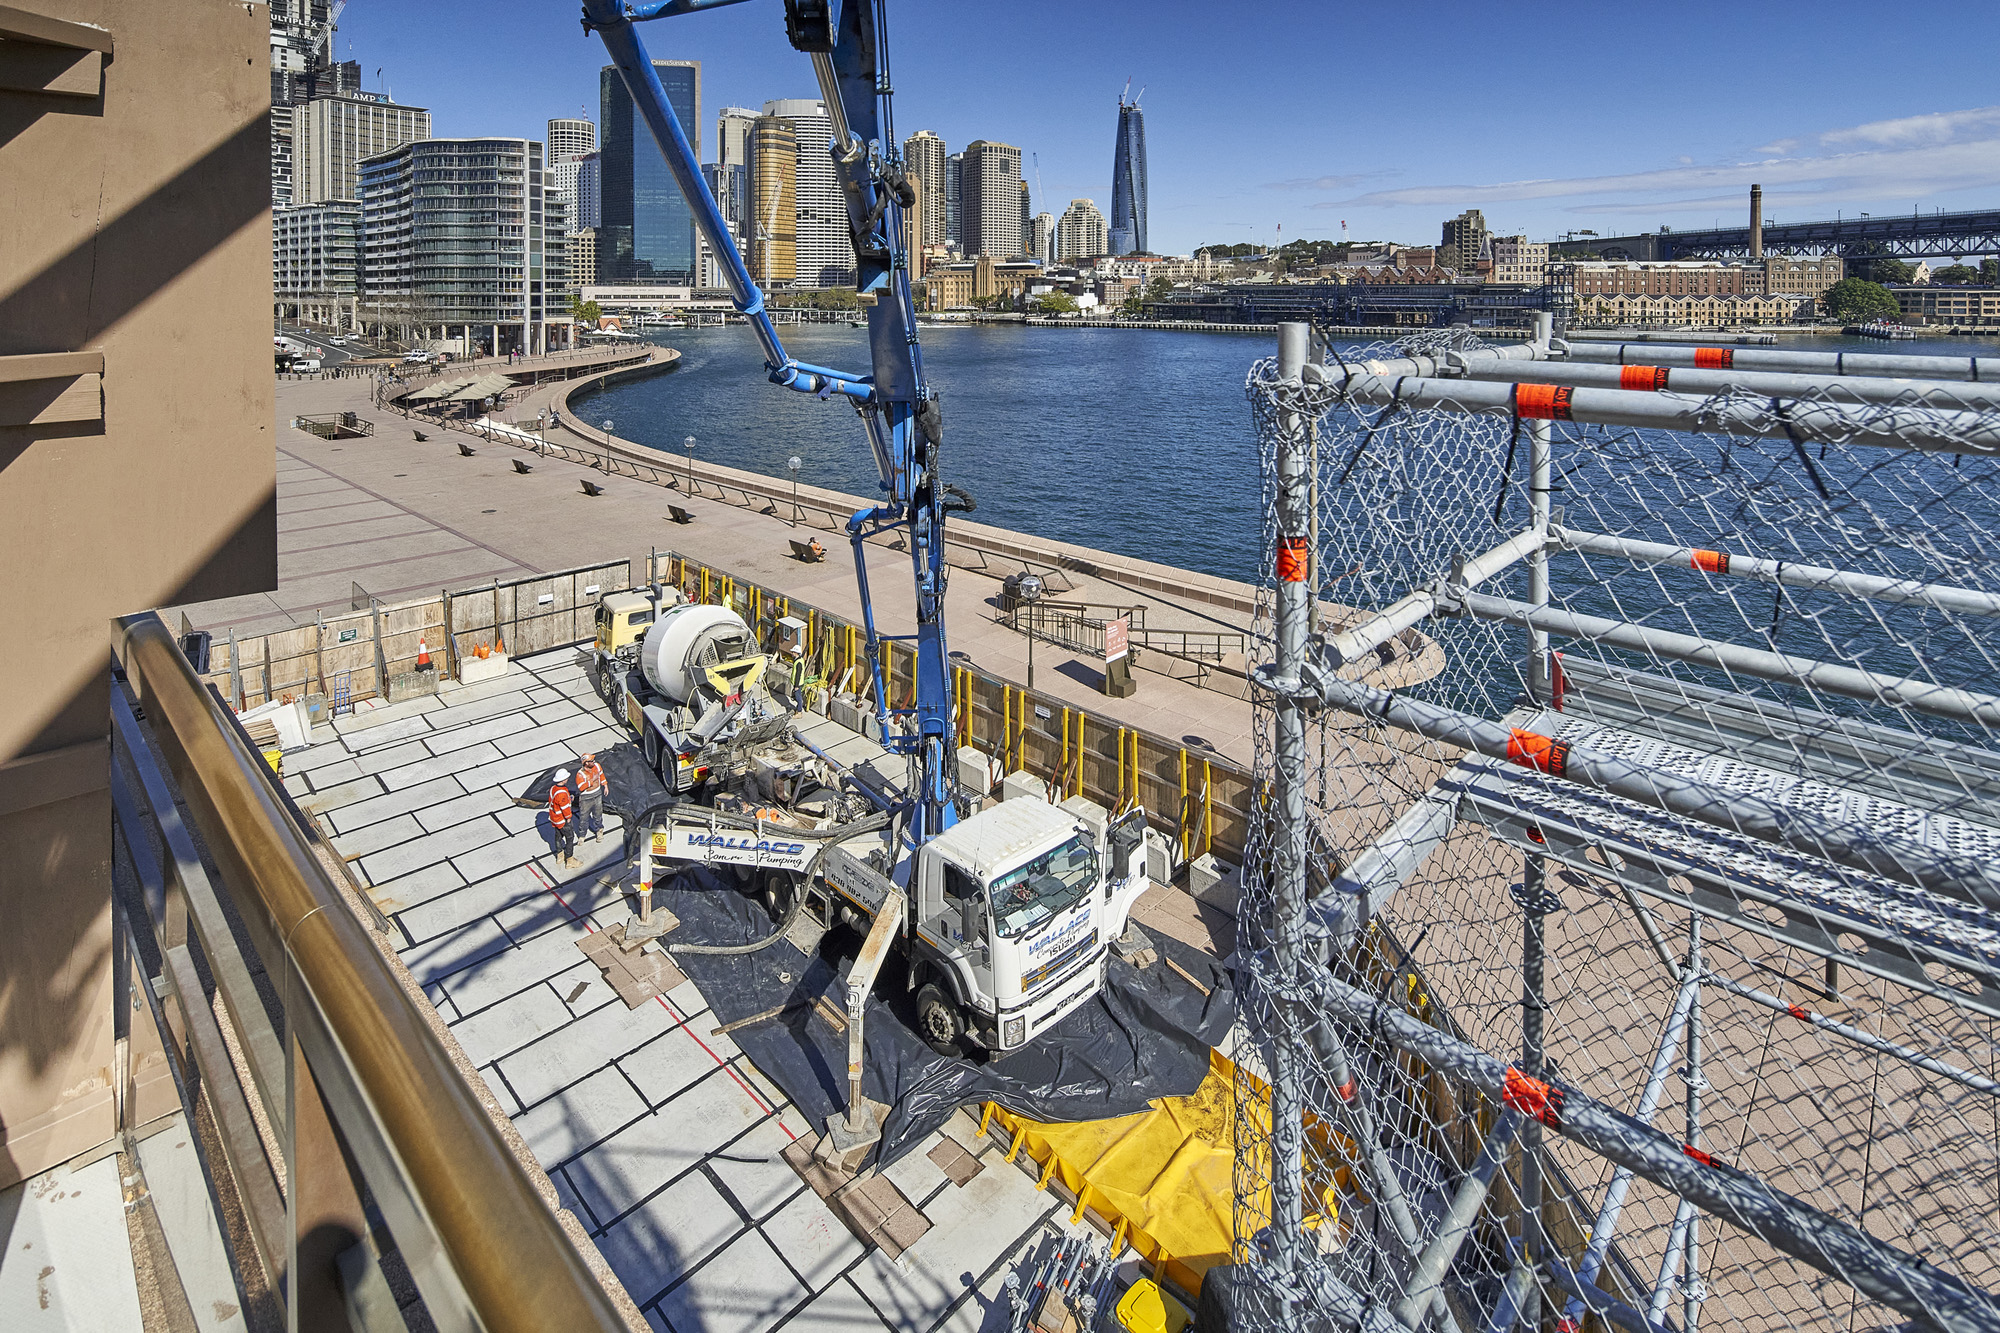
{"x":678,"y":1016}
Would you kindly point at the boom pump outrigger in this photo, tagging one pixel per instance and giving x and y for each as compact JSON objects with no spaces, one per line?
{"x":898,"y":411}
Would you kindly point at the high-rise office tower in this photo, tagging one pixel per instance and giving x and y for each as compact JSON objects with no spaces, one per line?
{"x":825,"y":253}
{"x":589,"y":211}
{"x":772,"y":228}
{"x":954,"y":199}
{"x":1128,"y":180}
{"x":570,"y":137}
{"x":1042,"y":238}
{"x":645,"y":231}
{"x":1080,"y":234}
{"x":734,"y":126}
{"x":330,"y":136}
{"x":989,"y":186}
{"x":729,"y":184}
{"x":1027,"y":217}
{"x":923,"y":162}
{"x":568,"y":140}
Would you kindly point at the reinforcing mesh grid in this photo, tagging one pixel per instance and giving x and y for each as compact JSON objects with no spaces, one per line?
{"x":1784,"y":1025}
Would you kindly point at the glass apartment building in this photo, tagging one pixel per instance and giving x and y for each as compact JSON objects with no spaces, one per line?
{"x":315,"y":260}
{"x":645,"y":230}
{"x":454,"y":243}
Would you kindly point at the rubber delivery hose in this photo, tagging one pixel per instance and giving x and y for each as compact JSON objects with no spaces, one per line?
{"x":825,"y":837}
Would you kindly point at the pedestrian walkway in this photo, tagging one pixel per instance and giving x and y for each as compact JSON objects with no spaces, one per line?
{"x":425,"y":517}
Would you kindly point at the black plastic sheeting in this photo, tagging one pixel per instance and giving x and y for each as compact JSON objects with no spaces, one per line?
{"x":1147,"y":1035}
{"x":630,"y":784}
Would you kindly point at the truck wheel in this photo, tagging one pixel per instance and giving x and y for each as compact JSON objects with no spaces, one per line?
{"x":651,"y":743}
{"x":938,"y":1021}
{"x":600,"y":678}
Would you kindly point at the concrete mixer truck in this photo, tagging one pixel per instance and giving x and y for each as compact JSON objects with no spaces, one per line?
{"x":689,"y":681}
{"x":1007,"y":917}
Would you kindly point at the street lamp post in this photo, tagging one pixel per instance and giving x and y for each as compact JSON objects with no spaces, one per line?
{"x":795,"y":464}
{"x":607,"y":445}
{"x":688,"y":444}
{"x":1029,"y":590}
{"x":542,"y":432}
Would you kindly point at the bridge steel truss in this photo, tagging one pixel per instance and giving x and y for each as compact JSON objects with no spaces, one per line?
{"x":1699,"y":826}
{"x":1917,"y":236}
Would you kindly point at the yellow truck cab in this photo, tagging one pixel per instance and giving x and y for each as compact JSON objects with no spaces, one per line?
{"x":624,"y":617}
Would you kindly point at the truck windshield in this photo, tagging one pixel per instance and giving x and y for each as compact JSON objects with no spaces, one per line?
{"x":1050,"y":884}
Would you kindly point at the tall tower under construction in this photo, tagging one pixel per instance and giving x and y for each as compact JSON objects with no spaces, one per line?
{"x":1128,"y":179}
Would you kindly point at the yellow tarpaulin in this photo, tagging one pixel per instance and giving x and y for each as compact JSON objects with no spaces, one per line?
{"x":1166,"y":1173}
{"x":1164,"y":1179}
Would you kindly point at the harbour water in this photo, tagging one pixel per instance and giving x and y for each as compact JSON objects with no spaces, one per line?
{"x":1127,"y":440}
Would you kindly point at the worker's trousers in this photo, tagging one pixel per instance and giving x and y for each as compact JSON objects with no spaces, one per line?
{"x":566,"y":839}
{"x":592,"y":810}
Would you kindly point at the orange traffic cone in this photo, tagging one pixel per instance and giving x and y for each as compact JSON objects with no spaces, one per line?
{"x":423,"y":657}
{"x":499,"y":645}
{"x":481,"y":652}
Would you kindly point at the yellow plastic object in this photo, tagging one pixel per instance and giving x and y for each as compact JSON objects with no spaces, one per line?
{"x":1163,"y":1175}
{"x":1162,"y":1181}
{"x":1144,"y":1308}
{"x":275,"y":757}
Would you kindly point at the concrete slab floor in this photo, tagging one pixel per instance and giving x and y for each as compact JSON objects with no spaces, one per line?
{"x":659,"y":1134}
{"x":67,"y":1259}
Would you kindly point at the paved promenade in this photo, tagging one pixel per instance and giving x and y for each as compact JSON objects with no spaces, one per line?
{"x":403,"y":518}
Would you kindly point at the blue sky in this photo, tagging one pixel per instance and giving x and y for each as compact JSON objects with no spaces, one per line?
{"x":1551,"y":118}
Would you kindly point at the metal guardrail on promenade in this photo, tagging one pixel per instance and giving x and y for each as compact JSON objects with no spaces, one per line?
{"x":354,"y":1084}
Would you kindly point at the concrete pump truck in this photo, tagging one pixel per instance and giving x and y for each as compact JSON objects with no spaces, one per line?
{"x":1006,"y":913}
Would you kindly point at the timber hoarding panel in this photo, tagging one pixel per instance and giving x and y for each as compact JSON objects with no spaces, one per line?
{"x":1191,"y":793}
{"x":513,"y":613}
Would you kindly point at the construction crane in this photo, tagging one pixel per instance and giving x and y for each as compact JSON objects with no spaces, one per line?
{"x":1011,"y":912}
{"x":898,"y":411}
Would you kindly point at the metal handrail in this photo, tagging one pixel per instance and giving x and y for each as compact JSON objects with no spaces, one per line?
{"x":444,"y":1177}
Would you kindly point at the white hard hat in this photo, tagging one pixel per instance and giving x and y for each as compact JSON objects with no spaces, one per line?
{"x":562,"y":775}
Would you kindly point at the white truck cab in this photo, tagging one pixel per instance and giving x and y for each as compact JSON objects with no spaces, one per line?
{"x":1016,"y":908}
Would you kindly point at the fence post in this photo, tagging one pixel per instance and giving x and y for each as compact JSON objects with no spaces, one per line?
{"x":381,"y":662}
{"x":450,"y":640}
{"x":1288,"y":854}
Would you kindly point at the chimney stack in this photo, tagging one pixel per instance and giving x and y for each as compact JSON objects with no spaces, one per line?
{"x":1756,"y":224}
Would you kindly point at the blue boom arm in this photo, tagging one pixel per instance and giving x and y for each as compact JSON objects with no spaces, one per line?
{"x":898,"y":411}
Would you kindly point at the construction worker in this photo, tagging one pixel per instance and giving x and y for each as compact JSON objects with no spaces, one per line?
{"x":562,"y":818}
{"x":590,"y":784}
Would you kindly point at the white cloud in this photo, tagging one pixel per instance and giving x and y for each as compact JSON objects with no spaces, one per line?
{"x":1908,"y":158}
{"x":1935,"y":128}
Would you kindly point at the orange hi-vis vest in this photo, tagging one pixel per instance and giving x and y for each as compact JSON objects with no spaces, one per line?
{"x":589,"y":779}
{"x":559,"y":806}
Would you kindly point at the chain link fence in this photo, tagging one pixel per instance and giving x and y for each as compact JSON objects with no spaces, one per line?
{"x":1640,"y":967}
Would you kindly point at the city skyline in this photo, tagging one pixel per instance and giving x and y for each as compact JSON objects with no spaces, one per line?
{"x":1835,"y":143}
